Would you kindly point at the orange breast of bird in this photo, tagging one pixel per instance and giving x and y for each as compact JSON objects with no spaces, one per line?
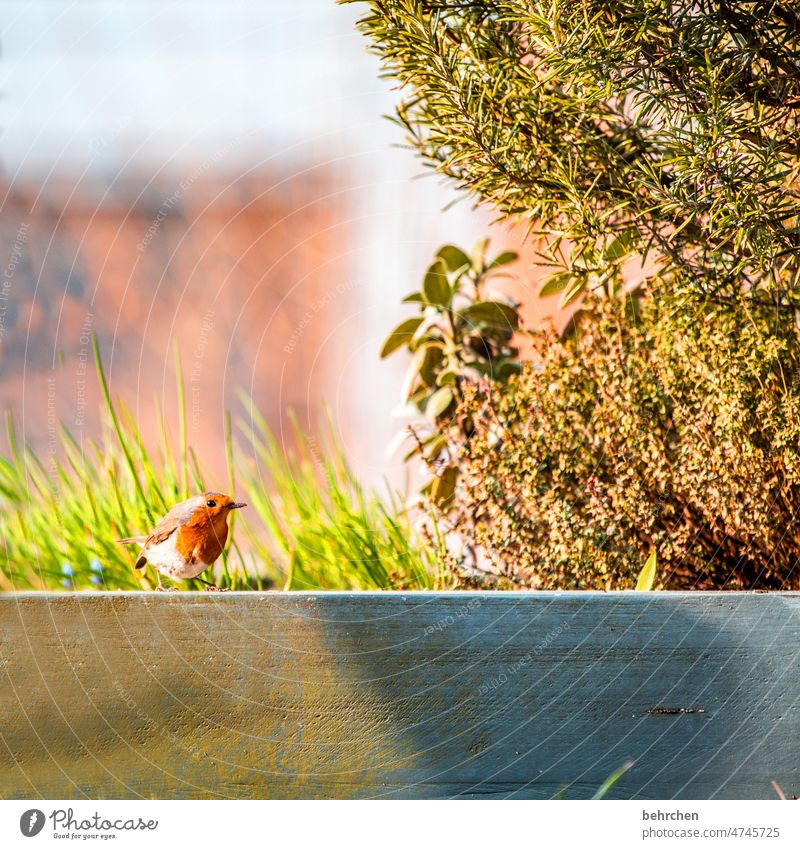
{"x":202,"y":541}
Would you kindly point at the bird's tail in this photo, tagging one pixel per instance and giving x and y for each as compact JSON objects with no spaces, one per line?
{"x":142,"y":561}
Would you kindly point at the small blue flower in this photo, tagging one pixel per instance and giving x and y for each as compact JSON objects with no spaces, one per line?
{"x":95,"y":565}
{"x":66,"y":583}
{"x":96,"y":580}
{"x":66,"y":569}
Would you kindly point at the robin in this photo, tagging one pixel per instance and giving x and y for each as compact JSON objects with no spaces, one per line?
{"x":188,"y":539}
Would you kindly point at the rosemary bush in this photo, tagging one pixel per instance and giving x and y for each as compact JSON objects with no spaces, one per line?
{"x":666,"y":129}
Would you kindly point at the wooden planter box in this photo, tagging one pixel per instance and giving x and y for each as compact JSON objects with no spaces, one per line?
{"x":421,"y":695}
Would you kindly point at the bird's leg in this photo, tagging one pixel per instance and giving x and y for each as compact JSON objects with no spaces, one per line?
{"x":160,"y":588}
{"x":211,"y":588}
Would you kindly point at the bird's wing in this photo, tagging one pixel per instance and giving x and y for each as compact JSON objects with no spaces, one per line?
{"x":167,"y":526}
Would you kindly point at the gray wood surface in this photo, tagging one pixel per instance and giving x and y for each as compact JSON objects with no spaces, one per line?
{"x":375,"y":695}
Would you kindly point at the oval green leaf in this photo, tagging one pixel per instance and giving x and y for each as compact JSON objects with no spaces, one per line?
{"x":433,"y":355}
{"x":436,"y":288}
{"x":401,"y":335}
{"x":454,"y":258}
{"x":443,"y":488}
{"x":478,"y":252}
{"x":573,"y":292}
{"x":504,"y":259}
{"x":620,"y":246}
{"x":556,"y":283}
{"x":492,"y":313}
{"x":439,"y":402}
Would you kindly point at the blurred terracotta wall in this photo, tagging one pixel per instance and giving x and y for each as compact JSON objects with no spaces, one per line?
{"x":245,"y":275}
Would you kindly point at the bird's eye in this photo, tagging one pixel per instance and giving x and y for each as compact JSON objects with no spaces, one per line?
{"x":211,"y":503}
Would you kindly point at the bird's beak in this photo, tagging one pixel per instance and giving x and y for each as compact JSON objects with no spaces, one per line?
{"x":237,"y":505}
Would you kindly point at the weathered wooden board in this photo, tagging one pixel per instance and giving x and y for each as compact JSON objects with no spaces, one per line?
{"x":422,"y":695}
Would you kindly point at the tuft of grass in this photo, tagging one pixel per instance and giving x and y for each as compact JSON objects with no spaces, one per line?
{"x":603,"y":790}
{"x":311,"y":524}
{"x":647,"y":577}
{"x":612,"y":779}
{"x":321,"y":525}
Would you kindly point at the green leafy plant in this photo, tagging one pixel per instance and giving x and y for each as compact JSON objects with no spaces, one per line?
{"x":462,"y":333}
{"x":663,"y":130}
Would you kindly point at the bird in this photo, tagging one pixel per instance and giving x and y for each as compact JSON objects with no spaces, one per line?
{"x":188,"y":539}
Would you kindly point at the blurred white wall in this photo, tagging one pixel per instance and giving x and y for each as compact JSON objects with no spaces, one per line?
{"x":98,"y":90}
